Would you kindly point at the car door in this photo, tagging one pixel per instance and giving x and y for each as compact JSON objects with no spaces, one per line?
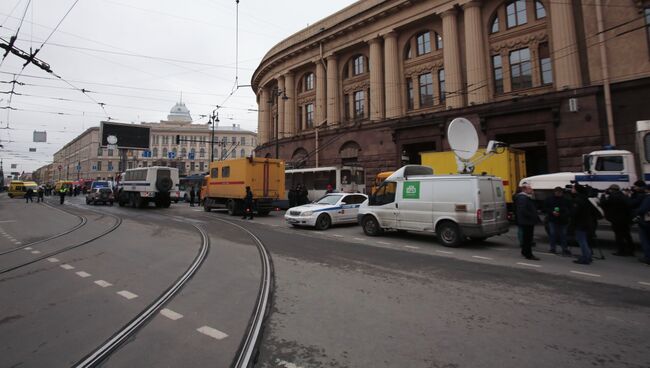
{"x":350,"y":207}
{"x":383,"y":204}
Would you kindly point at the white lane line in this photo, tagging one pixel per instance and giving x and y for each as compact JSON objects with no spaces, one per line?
{"x":411,"y":247}
{"x":67,"y":267}
{"x":501,"y":249}
{"x":214,"y":333}
{"x":444,"y":252}
{"x":359,"y":239}
{"x":171,"y":314}
{"x":337,"y":235}
{"x":644,"y":283}
{"x":486,"y":258}
{"x":384,"y":243}
{"x":585,"y":273}
{"x":4,"y":221}
{"x":28,"y":248}
{"x":53,"y":260}
{"x":18,"y":243}
{"x":286,"y":364}
{"x":103,"y":283}
{"x":83,"y":274}
{"x":36,"y":252}
{"x":528,"y":264}
{"x":127,"y":294}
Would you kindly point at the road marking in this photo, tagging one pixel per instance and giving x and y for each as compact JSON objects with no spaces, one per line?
{"x":36,"y":252}
{"x":337,"y":235}
{"x":486,"y":258}
{"x":528,"y":264}
{"x":286,"y":364}
{"x":18,"y":243}
{"x":444,"y":252}
{"x":359,"y":239}
{"x":644,"y":283}
{"x":53,"y":260}
{"x":585,"y":273}
{"x":501,"y":249}
{"x":171,"y":314}
{"x":28,"y":248}
{"x":5,"y":221}
{"x":83,"y":274}
{"x":214,"y":333}
{"x":67,"y":267}
{"x":103,"y":283}
{"x":127,"y":294}
{"x":384,"y":243}
{"x":411,"y":247}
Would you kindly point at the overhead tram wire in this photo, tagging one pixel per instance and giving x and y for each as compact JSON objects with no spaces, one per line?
{"x":12,"y":39}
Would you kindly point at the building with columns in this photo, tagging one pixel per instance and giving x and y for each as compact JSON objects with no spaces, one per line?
{"x":379,"y":81}
{"x":84,"y":158}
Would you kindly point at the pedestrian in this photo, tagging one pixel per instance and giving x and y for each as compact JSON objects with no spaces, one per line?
{"x":557,"y":209}
{"x":192,"y":195}
{"x":292,"y":196}
{"x":62,"y":193}
{"x":40,"y":192}
{"x":29,"y":195}
{"x":248,"y":204}
{"x":643,"y":219}
{"x":617,"y":211}
{"x":329,"y":189}
{"x":585,"y":221}
{"x":303,"y":195}
{"x":526,"y":220}
{"x":198,"y":195}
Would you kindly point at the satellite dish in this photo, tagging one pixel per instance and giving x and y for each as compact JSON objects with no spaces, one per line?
{"x":462,"y":138}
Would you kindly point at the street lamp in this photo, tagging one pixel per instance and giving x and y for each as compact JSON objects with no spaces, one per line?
{"x":214,"y":119}
{"x":275,"y":93}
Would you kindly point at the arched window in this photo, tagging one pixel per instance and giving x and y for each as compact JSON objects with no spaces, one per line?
{"x":242,"y":153}
{"x":516,"y":13}
{"x":164,"y":152}
{"x":358,"y":65}
{"x":299,"y":154}
{"x":423,"y":41}
{"x":233,"y":153}
{"x":154,"y":153}
{"x":183,"y":152}
{"x":202,"y":153}
{"x":309,"y":81}
{"x":193,"y":152}
{"x":494,"y":28}
{"x":349,"y":152}
{"x":540,"y":11}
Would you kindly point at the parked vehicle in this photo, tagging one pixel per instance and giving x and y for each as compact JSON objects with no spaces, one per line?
{"x":186,"y":184}
{"x":379,"y":178}
{"x":64,"y":183}
{"x":331,"y":209}
{"x":229,"y":178}
{"x":100,"y":195}
{"x":454,"y":207}
{"x":18,"y":188}
{"x":157,"y":184}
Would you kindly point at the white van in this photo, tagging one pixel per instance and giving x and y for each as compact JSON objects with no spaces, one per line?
{"x":454,"y":207}
{"x":157,"y":184}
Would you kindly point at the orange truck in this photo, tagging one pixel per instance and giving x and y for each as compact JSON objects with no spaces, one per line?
{"x":228,"y":179}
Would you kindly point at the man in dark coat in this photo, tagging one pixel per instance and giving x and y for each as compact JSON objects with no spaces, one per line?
{"x":192,"y":195}
{"x":527,"y":218}
{"x":29,"y":195}
{"x":617,"y":211}
{"x":292,"y":197}
{"x":303,"y":195}
{"x":40,"y":193}
{"x":643,"y":216}
{"x":585,"y":221}
{"x":557,"y":209}
{"x":248,"y":204}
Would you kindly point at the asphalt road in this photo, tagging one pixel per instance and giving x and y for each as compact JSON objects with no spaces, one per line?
{"x":340,"y":299}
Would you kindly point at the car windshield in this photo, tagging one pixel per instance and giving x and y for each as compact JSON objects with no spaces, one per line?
{"x":329,"y":199}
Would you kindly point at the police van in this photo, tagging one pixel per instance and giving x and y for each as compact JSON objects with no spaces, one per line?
{"x":454,"y":207}
{"x":157,"y":184}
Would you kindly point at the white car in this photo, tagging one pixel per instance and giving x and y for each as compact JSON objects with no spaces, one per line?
{"x":333,"y":208}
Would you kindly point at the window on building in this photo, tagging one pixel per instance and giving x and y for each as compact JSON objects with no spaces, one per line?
{"x":516,"y":13}
{"x":154,"y":153}
{"x":497,"y":71}
{"x":423,"y":41}
{"x":164,"y":152}
{"x":100,"y":151}
{"x":201,"y":166}
{"x":520,"y":69}
{"x":110,"y":166}
{"x":441,"y":85}
{"x":346,"y":106}
{"x":495,"y":25}
{"x":426,"y":90}
{"x":409,"y":94}
{"x":540,"y":11}
{"x":359,"y":104}
{"x":242,"y":141}
{"x":233,"y":153}
{"x":309,"y":81}
{"x":242,"y":153}
{"x":202,"y":153}
{"x":309,"y":115}
{"x":647,"y":23}
{"x":183,"y":152}
{"x":545,"y":66}
{"x":407,"y":53}
{"x":358,"y":65}
{"x":234,"y":139}
{"x":110,"y":152}
{"x":99,"y":166}
{"x":438,"y":41}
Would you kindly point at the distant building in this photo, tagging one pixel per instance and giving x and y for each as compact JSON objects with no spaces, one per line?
{"x":84,"y":158}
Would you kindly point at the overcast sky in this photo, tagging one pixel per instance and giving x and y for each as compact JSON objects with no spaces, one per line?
{"x":135,"y":57}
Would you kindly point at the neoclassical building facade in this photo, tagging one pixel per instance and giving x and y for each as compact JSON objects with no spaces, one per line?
{"x":379,"y":81}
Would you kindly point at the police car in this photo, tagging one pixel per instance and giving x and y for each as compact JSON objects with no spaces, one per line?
{"x":333,"y":208}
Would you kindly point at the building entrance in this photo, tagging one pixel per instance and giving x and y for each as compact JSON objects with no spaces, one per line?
{"x":534,"y":145}
{"x":411,"y":152}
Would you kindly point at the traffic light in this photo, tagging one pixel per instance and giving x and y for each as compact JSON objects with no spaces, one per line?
{"x":178,"y":139}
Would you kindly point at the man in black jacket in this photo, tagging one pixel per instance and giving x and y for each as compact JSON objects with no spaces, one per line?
{"x":526,"y":220}
{"x":585,"y":222}
{"x":557,"y":209}
{"x":617,"y":211}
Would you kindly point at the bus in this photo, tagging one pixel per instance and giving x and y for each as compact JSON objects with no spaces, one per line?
{"x":186,"y":184}
{"x":346,"y":179}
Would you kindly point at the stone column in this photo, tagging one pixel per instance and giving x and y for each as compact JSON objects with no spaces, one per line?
{"x":376,"y":106}
{"x":451,"y":55}
{"x":321,"y":94}
{"x":289,"y":127}
{"x":333,"y":105}
{"x":566,"y":64}
{"x":416,"y":91}
{"x":392,"y":76}
{"x":264,"y":115}
{"x":280,"y":107}
{"x":477,"y":76}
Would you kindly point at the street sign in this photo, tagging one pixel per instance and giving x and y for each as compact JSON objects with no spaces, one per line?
{"x":146,"y":153}
{"x":171,"y":155}
{"x":78,"y":167}
{"x":191,"y":155}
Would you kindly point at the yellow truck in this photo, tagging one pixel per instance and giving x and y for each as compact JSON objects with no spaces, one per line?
{"x":510,"y":166}
{"x":228,"y":179}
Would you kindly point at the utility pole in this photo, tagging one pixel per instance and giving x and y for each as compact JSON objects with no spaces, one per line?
{"x":214,"y":119}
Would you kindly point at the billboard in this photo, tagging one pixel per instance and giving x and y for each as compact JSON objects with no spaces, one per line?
{"x":124,"y":135}
{"x":40,"y":136}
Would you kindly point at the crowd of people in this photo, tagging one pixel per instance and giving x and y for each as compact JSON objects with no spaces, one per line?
{"x":574,"y":214}
{"x":298,"y":195}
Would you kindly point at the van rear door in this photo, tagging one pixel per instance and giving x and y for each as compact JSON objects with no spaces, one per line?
{"x":492,"y":203}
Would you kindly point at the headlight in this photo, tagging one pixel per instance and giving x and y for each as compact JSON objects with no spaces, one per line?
{"x":307,"y":213}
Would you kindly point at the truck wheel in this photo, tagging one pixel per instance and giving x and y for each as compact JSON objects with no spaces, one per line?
{"x":140,"y":202}
{"x":323,"y":222}
{"x":371,"y":226}
{"x":132,"y":202}
{"x":449,"y":234}
{"x":206,"y":206}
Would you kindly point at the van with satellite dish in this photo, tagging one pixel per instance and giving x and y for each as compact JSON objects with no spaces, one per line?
{"x":454,"y":207}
